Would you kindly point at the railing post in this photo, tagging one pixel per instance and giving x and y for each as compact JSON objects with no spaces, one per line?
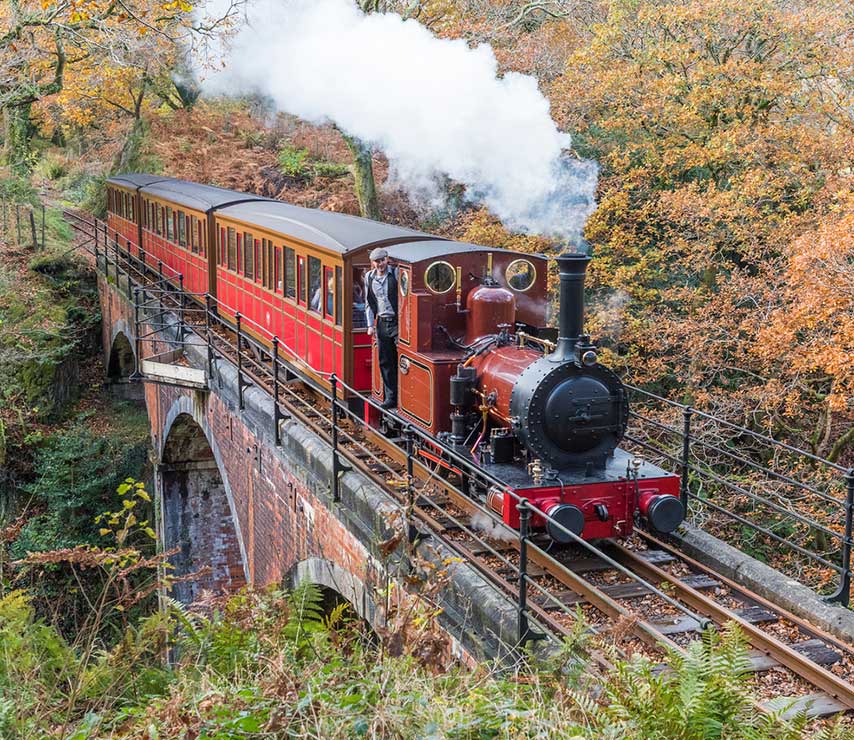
{"x":33,"y":233}
{"x":44,"y":244}
{"x":160,"y":291}
{"x":524,"y":526}
{"x":96,"y":245}
{"x":843,"y":594}
{"x":181,"y":316}
{"x":336,"y":467}
{"x":411,"y":530}
{"x":18,"y":221}
{"x":137,"y":361}
{"x":276,"y":415}
{"x":686,"y":452}
{"x":239,"y":365}
{"x":208,"y":339}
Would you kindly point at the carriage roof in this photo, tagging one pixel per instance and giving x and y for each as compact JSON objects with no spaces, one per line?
{"x":338,"y":232}
{"x":436,"y":249}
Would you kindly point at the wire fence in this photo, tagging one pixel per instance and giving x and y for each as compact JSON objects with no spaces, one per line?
{"x":22,"y":223}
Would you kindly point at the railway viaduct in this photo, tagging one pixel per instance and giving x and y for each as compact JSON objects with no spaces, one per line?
{"x":244,"y":510}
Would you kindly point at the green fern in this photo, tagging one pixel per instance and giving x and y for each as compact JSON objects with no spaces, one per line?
{"x":337,"y":617}
{"x":306,"y":614}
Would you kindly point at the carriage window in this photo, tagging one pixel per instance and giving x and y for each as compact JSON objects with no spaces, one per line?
{"x":314,"y":289}
{"x":170,"y":226}
{"x":440,"y":277}
{"x":328,"y":293}
{"x":339,"y":287}
{"x":194,"y":235}
{"x":203,"y":238}
{"x":520,"y":275}
{"x":239,"y":266}
{"x":132,"y":208}
{"x":301,"y":279}
{"x":232,"y":249}
{"x":249,"y":256}
{"x":262,"y":265}
{"x":258,"y":252}
{"x":268,"y":264}
{"x":290,"y":273}
{"x":182,"y":229}
{"x":277,"y":262}
{"x":162,"y":229}
{"x":360,"y":319}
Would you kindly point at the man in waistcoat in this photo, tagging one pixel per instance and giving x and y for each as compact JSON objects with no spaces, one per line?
{"x":381,"y":312}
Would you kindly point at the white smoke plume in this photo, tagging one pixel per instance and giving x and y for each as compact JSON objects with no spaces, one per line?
{"x":434,"y":107}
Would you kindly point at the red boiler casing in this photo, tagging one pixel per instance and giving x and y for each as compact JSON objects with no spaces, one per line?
{"x":497,"y":372}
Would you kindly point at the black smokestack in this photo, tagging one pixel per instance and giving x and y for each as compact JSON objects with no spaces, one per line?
{"x":573,"y":267}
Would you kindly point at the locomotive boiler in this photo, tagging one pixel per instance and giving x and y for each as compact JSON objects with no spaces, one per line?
{"x":548,"y":420}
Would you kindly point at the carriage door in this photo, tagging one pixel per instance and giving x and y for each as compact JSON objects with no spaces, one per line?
{"x":302,"y":313}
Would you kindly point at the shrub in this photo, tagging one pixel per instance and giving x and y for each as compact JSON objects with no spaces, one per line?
{"x":293,"y":161}
{"x":52,"y":166}
{"x":298,"y":164}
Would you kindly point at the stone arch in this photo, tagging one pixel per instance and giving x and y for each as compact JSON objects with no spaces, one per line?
{"x":122,"y":360}
{"x":121,"y":327}
{"x":338,"y":584}
{"x":198,"y":515}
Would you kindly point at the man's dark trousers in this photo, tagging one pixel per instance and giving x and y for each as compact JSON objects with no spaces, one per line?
{"x":387,"y":350}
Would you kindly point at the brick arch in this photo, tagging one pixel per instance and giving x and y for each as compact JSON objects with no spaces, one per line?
{"x":198,"y":512}
{"x":342,"y":582}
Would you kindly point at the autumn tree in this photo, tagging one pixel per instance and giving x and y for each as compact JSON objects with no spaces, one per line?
{"x":113,"y":51}
{"x":717,"y":125}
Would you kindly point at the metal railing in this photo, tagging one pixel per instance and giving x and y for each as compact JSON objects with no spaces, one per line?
{"x":771,"y":491}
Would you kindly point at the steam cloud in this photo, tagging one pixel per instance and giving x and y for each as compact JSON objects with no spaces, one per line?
{"x":435,"y":107}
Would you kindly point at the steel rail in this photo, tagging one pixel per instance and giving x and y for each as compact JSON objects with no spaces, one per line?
{"x":787,"y":656}
{"x":747,"y":594}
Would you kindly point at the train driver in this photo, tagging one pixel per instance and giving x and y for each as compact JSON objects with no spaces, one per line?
{"x":381,"y":311}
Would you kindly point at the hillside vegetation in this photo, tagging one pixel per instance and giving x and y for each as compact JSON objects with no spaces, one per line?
{"x":723,"y":277}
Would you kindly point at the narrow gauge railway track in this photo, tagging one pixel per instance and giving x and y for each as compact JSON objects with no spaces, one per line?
{"x":674,"y":590}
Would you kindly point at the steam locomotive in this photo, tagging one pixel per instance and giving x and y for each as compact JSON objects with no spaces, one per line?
{"x":476,"y":367}
{"x":551,"y":419}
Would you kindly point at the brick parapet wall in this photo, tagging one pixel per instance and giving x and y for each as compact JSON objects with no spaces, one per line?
{"x":280,"y":498}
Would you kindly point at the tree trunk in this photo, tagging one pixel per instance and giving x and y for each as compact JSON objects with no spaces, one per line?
{"x":19,"y":132}
{"x":363,"y":174}
{"x":126,"y":158}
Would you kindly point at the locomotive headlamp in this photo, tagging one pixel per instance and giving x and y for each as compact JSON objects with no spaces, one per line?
{"x":589,"y":358}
